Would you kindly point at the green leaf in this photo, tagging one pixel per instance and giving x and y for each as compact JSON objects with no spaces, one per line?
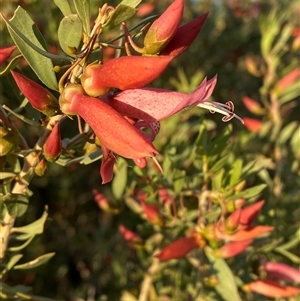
{"x":83,"y":10}
{"x":132,"y":3}
{"x":120,"y":14}
{"x":13,"y":260}
{"x":34,"y":263}
{"x":37,"y":227}
{"x":120,"y":179}
{"x":20,"y":26}
{"x":69,"y":33}
{"x":217,"y":180}
{"x":227,"y":286}
{"x":219,"y":164}
{"x":249,"y":193}
{"x":64,"y":7}
{"x":287,"y":132}
{"x":179,"y":178}
{"x":292,"y":257}
{"x":16,"y":204}
{"x":236,"y":171}
{"x":22,"y":246}
{"x":295,"y":142}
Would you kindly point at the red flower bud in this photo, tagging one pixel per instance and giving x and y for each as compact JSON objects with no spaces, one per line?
{"x":184,"y":37}
{"x":231,"y":249}
{"x":249,"y":213}
{"x":129,"y":235}
{"x":39,"y":97}
{"x":253,"y":106}
{"x":253,"y":125}
{"x":111,"y":128}
{"x":125,"y":72}
{"x":152,"y":213}
{"x":5,"y":53}
{"x":53,"y":145}
{"x":178,"y":249}
{"x":282,"y":271}
{"x":163,"y":29}
{"x":271,"y":289}
{"x":289,"y":79}
{"x":249,"y":233}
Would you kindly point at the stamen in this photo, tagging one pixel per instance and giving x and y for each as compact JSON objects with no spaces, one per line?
{"x":226,"y":109}
{"x":157,"y":164}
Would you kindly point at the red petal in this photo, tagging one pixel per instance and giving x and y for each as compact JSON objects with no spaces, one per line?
{"x":178,"y":249}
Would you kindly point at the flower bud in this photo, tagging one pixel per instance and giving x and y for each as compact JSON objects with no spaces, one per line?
{"x":5,"y":53}
{"x":163,"y":29}
{"x":271,"y":289}
{"x":232,"y":249}
{"x":178,"y":249}
{"x":125,"y":72}
{"x":152,"y":213}
{"x":39,"y":97}
{"x":53,"y":145}
{"x":281,"y":271}
{"x":40,"y":168}
{"x":9,"y":141}
{"x":129,"y":235}
{"x":184,"y":37}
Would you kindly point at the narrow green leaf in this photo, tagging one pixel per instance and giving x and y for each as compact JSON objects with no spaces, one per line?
{"x":69,"y":33}
{"x":236,"y":171}
{"x":287,"y":132}
{"x":120,"y":179}
{"x":22,"y":246}
{"x":220,"y":164}
{"x":120,"y":14}
{"x":179,"y":178}
{"x":292,"y":257}
{"x":64,"y":6}
{"x":217,"y":180}
{"x":37,"y":227}
{"x":41,"y":65}
{"x":83,"y":10}
{"x":227,"y":286}
{"x":16,"y":204}
{"x":132,"y":3}
{"x":13,"y":260}
{"x":295,"y":142}
{"x":34,"y":263}
{"x":249,"y":193}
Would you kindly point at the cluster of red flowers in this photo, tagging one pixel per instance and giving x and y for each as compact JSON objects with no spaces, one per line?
{"x":112,"y":98}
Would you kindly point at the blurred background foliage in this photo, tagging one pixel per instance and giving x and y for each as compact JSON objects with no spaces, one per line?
{"x":242,"y":42}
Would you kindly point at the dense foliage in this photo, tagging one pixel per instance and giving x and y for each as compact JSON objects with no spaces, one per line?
{"x":222,"y":220}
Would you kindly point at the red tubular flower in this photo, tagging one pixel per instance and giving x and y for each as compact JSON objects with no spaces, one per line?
{"x":39,"y":97}
{"x":271,"y":289}
{"x":282,"y":271}
{"x":53,"y":145}
{"x":152,"y":213}
{"x":232,"y":249}
{"x":178,"y":249}
{"x":125,"y":72}
{"x":5,"y":53}
{"x":242,"y":218}
{"x":253,"y":106}
{"x":111,"y":128}
{"x":163,"y":29}
{"x":253,"y":125}
{"x":249,"y":233}
{"x":184,"y":37}
{"x":153,"y":104}
{"x":129,"y":235}
{"x":290,"y":78}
